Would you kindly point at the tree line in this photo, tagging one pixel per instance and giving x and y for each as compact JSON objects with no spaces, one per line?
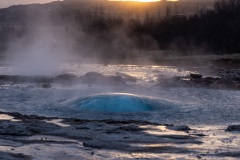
{"x":214,"y":30}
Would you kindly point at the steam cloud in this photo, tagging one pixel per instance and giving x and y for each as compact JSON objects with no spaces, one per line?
{"x":41,"y":49}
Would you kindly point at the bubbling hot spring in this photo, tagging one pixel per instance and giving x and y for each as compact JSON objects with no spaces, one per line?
{"x":119,"y":102}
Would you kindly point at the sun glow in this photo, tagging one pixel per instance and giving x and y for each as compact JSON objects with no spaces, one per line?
{"x":148,"y":0}
{"x":142,"y":0}
{"x":136,"y":0}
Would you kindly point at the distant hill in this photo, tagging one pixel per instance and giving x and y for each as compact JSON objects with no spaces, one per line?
{"x":27,"y":14}
{"x":104,"y":27}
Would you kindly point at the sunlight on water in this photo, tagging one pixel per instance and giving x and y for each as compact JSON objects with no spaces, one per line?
{"x":178,"y":105}
{"x":141,"y":72}
{"x":138,"y":71}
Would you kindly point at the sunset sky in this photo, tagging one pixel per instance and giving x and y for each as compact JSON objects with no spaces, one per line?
{"x":7,"y":3}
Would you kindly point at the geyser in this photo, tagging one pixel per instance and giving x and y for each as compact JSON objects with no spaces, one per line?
{"x":119,"y":102}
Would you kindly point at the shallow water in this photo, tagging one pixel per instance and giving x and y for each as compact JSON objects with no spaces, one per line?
{"x":194,"y":106}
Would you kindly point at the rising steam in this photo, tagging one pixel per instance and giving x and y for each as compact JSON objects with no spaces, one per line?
{"x":41,"y":50}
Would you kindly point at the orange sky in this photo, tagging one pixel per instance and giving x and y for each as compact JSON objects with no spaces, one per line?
{"x":143,"y":0}
{"x":7,"y":3}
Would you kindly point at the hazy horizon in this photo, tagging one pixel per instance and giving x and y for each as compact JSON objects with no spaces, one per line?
{"x":8,"y":3}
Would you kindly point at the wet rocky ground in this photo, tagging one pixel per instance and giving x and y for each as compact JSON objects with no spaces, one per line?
{"x":36,"y":137}
{"x":221,"y":79}
{"x":25,"y":137}
{"x":209,"y":71}
{"x":218,"y":79}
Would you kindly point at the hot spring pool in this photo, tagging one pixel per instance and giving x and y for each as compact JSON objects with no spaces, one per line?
{"x":170,"y":105}
{"x":119,"y":102}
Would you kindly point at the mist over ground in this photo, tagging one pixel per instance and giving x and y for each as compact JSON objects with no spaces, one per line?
{"x":96,"y":29}
{"x":108,"y":32}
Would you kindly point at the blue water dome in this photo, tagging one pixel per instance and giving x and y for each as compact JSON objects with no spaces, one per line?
{"x":118,"y":102}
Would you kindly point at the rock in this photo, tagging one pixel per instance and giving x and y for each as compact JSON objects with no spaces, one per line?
{"x":200,"y":135}
{"x":40,"y":79}
{"x":227,"y":62}
{"x":129,"y":128}
{"x":196,"y":76}
{"x":156,"y":71}
{"x":92,"y":77}
{"x":105,"y":144}
{"x":97,"y":78}
{"x":127,"y":77}
{"x":5,"y":78}
{"x":65,"y":78}
{"x":29,"y":87}
{"x":211,"y":81}
{"x":214,"y":82}
{"x":14,"y":156}
{"x":236,"y":79}
{"x":169,"y":82}
{"x":15,"y":79}
{"x":233,"y":128}
{"x":46,"y":85}
{"x":179,"y":128}
{"x":227,"y":84}
{"x":115,"y":80}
